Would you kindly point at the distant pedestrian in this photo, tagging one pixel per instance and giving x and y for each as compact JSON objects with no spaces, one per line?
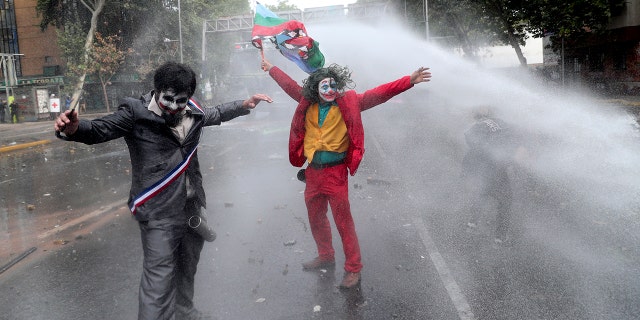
{"x":67,"y":104}
{"x":3,"y":110}
{"x":15,"y":112}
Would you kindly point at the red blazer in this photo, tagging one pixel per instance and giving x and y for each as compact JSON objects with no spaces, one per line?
{"x":350,"y":103}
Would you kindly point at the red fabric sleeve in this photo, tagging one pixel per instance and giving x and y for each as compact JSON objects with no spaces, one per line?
{"x":287,"y":84}
{"x":383,"y":93}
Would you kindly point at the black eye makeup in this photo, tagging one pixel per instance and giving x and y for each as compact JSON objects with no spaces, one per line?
{"x":179,"y":101}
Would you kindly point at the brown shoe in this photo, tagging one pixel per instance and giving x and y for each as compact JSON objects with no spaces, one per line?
{"x":350,"y":280}
{"x":318,"y":263}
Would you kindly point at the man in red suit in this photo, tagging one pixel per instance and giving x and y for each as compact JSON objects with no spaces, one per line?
{"x":327,"y":132}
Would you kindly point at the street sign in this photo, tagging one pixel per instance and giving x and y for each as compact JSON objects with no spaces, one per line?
{"x":54,"y":105}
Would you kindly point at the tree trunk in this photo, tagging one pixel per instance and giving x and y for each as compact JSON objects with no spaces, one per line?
{"x":513,"y":41}
{"x":466,"y":45}
{"x":104,"y":95}
{"x":95,"y":12}
{"x":521,"y":57}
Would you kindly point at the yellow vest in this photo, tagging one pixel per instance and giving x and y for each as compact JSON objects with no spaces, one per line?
{"x":332,"y":136}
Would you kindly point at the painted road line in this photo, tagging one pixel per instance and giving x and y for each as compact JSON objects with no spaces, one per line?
{"x":23,"y":145}
{"x":75,"y":222}
{"x":456,"y":295}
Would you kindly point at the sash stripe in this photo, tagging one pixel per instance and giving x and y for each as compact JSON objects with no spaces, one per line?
{"x":162,"y":184}
{"x":157,"y":187}
{"x":195,"y":104}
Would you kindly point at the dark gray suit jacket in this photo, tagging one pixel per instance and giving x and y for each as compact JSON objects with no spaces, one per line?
{"x":155,"y":151}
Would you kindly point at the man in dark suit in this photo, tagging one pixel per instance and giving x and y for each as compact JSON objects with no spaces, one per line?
{"x":162,"y":130}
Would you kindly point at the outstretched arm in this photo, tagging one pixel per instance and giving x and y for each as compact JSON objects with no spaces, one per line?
{"x":253,"y":101}
{"x":285,"y":82}
{"x":384,"y":92}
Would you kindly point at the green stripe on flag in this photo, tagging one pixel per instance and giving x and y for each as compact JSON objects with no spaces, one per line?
{"x":268,"y":21}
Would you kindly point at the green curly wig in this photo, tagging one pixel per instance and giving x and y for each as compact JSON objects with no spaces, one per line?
{"x":341,"y":75}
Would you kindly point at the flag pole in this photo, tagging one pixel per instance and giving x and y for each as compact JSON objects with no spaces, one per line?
{"x":262,"y":56}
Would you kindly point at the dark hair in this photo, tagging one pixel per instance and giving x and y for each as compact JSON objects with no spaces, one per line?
{"x":342,"y":76}
{"x":176,"y":76}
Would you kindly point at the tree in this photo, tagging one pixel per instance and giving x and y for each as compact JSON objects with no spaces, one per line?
{"x":575,"y":19}
{"x":94,"y":7}
{"x":461,"y":25}
{"x":105,"y":60}
{"x":142,"y":25}
{"x":71,"y":43}
{"x":508,"y":20}
{"x":476,"y":23}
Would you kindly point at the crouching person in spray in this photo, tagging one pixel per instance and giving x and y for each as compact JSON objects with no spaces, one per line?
{"x":162,"y":130}
{"x":492,"y":151}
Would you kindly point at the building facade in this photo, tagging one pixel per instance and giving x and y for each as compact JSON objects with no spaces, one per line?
{"x":32,"y":56}
{"x":608,"y":64}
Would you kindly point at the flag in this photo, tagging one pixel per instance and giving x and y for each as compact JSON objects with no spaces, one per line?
{"x":290,"y":38}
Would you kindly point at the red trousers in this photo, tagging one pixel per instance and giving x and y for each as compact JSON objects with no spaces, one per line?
{"x":331,"y":186}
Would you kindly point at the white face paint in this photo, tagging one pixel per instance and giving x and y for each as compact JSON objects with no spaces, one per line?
{"x":172,"y":102}
{"x":327,"y":89}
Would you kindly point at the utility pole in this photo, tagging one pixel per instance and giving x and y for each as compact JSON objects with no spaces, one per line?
{"x":426,"y":18}
{"x":180,"y":30}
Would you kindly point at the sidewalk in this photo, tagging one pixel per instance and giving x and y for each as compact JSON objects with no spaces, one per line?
{"x":15,"y":136}
{"x":22,"y":135}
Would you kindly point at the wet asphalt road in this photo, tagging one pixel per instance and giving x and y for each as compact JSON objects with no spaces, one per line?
{"x":419,"y":261}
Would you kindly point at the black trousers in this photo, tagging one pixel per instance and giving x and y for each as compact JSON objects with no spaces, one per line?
{"x":171,"y":254}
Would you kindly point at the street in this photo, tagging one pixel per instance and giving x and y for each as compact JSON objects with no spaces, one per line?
{"x":569,"y":259}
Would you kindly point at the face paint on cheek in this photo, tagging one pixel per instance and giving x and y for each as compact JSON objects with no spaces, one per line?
{"x":172,"y":102}
{"x":327,"y":89}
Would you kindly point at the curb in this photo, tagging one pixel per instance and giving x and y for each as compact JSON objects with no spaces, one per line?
{"x":23,"y":146}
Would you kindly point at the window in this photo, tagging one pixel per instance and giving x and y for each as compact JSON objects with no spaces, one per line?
{"x":620,"y":61}
{"x":596,"y":61}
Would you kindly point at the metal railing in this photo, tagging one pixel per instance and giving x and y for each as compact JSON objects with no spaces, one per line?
{"x":309,"y":15}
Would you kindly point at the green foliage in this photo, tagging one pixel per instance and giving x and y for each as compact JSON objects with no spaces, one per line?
{"x":105,"y":57}
{"x":105,"y":60}
{"x":574,"y":18}
{"x":50,"y":11}
{"x":471,"y":24}
{"x":71,"y":41}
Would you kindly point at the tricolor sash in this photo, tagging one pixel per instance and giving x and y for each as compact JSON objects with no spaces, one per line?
{"x":157,"y":187}
{"x":162,"y":183}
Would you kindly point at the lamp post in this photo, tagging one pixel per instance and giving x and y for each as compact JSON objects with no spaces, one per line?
{"x":180,"y":30}
{"x":426,"y":17}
